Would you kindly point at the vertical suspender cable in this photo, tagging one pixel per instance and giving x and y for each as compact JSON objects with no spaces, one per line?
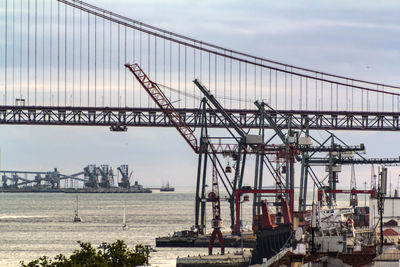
{"x":261,"y":82}
{"x":124,"y":63}
{"x":88,"y":60}
{"x":255,"y":78}
{"x":179,"y":74}
{"x":285,"y":89}
{"x":392,"y":103}
{"x":270,"y":87}
{"x":231,"y":80}
{"x":352,"y":97}
{"x":73,"y":57}
{"x":43,"y":54}
{"x":148,"y":66}
{"x":362,"y":100}
{"x":276,"y":89}
{"x":58,"y":54}
{"x":201,"y":63}
{"x":103,"y":99}
{"x":240,"y":84}
{"x":35,"y":51}
{"x":29,"y":19}
{"x":301,"y":93}
{"x":185,"y":75}
{"x":291,"y":88}
{"x":215,"y":74}
{"x":148,"y":61}
{"x":347,"y":96}
{"x":51,"y":50}
{"x":95,"y":61}
{"x":5,"y":55}
{"x":245,"y":82}
{"x":20,"y":51}
{"x":170,"y":69}
{"x":331,"y":98}
{"x":109,"y":65}
{"x":13,"y":55}
{"x":155,"y":58}
{"x":367,"y":100}
{"x":306,"y":93}
{"x":337,"y":97}
{"x":118,"y":68}
{"x":316,"y":91}
{"x":377,"y":97}
{"x":134,"y":61}
{"x":209,"y":71}
{"x":224,"y":80}
{"x":164,"y":60}
{"x":140,"y":46}
{"x":140,"y":61}
{"x":322,"y":91}
{"x":65,"y":54}
{"x":80,"y":58}
{"x":194,"y":74}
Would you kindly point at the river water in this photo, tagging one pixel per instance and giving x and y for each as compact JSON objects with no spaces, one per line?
{"x":37,"y":224}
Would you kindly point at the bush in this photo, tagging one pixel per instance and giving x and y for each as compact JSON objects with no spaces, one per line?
{"x":116,"y":254}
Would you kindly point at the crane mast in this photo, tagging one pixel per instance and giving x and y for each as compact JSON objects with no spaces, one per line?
{"x":216,"y":221}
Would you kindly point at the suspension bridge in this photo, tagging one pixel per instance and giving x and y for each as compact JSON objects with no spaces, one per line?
{"x":63,"y":64}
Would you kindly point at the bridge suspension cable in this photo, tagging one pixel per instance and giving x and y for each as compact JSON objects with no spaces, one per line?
{"x":94,"y":43}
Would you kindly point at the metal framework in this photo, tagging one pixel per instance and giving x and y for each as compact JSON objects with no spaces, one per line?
{"x":165,"y":105}
{"x":154,"y":117}
{"x":239,"y":192}
{"x":371,"y":192}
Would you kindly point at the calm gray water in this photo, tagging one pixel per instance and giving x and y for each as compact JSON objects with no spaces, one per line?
{"x":36,"y":224}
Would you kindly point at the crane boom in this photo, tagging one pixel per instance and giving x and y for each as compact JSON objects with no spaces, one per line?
{"x":165,"y":105}
{"x":220,"y":109}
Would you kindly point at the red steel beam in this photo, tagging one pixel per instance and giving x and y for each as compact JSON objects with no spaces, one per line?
{"x":165,"y":105}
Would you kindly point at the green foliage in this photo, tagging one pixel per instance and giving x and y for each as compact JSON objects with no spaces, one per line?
{"x":116,"y":254}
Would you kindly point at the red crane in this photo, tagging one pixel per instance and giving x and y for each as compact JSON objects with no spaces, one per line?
{"x":216,"y":221}
{"x":165,"y":105}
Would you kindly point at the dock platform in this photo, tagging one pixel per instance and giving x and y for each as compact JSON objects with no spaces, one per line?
{"x":227,"y":260}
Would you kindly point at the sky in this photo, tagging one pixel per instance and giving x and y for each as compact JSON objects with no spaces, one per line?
{"x":360,"y":39}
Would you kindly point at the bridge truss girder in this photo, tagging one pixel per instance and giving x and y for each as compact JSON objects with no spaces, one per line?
{"x":153,"y":117}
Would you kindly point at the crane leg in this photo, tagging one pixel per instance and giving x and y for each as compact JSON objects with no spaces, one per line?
{"x":212,"y":239}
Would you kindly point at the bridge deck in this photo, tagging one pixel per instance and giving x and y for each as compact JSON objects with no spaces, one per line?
{"x":120,"y":118}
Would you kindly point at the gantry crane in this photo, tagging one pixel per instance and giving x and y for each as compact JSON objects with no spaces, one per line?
{"x":240,"y":154}
{"x":186,"y":132}
{"x":205,"y":148}
{"x":300,"y":149}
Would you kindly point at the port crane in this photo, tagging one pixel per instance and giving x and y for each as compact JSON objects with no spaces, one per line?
{"x":216,"y":221}
{"x":125,"y":180}
{"x":205,"y":149}
{"x":290,"y":151}
{"x":300,"y":149}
